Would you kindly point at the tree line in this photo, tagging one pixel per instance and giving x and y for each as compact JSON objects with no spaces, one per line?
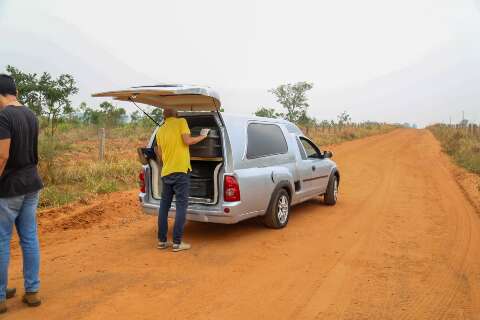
{"x":50,"y":99}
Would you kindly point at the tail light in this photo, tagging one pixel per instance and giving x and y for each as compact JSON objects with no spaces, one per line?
{"x":231,"y":189}
{"x":141,"y":181}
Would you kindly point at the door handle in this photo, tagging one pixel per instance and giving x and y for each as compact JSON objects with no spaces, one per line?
{"x":314,"y":168}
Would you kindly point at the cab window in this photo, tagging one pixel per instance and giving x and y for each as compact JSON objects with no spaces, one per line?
{"x":303,"y":154}
{"x":310,"y":149}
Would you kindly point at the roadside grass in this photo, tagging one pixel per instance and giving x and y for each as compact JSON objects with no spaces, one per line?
{"x":71,"y":169}
{"x":461,"y":144}
{"x":337,"y":134}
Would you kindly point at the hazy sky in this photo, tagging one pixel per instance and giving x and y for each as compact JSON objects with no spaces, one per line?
{"x":244,"y":48}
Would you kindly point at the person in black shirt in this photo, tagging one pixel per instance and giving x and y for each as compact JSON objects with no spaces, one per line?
{"x":20,"y":184}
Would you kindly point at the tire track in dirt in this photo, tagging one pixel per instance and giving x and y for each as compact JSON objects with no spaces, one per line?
{"x":445,"y":281}
{"x":381,"y":193}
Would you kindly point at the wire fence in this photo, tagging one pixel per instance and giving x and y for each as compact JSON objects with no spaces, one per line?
{"x":469,"y":130}
{"x":337,"y":128}
{"x":337,"y":132}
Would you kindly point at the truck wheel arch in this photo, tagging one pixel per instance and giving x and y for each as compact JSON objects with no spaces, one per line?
{"x":283,"y":184}
{"x":335,"y":172}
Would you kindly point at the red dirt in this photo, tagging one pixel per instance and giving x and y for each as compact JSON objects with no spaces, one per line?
{"x":402,"y":243}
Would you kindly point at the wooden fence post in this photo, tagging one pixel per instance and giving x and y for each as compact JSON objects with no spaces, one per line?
{"x":101,"y":147}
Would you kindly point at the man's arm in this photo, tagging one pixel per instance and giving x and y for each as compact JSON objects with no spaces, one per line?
{"x":187,"y":137}
{"x":4,"y":154}
{"x":189,"y":140}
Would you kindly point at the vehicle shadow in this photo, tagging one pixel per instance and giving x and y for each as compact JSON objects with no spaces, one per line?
{"x":213,"y":231}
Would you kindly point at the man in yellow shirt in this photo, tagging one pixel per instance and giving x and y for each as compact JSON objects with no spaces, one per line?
{"x":173,"y":141}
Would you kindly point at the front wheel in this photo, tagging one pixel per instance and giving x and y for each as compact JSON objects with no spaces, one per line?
{"x":330,"y":197}
{"x":278,"y":212}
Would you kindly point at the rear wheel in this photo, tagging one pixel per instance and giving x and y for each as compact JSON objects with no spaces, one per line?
{"x":330,"y":197}
{"x":279,"y":210}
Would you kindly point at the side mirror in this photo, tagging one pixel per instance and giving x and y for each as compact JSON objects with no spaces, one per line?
{"x":327,"y":154}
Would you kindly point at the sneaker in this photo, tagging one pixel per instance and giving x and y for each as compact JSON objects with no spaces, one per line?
{"x":182,"y":246}
{"x":3,"y":306}
{"x":31,"y":299}
{"x":10,"y":293}
{"x":163,"y":245}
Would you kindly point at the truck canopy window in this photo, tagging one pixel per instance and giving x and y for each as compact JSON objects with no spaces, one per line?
{"x":265,"y":140}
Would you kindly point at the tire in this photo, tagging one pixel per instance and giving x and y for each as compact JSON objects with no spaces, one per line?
{"x":330,"y":197}
{"x":278,"y":212}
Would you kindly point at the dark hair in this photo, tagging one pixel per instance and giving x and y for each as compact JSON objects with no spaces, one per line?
{"x":169,"y":113}
{"x":7,"y":85}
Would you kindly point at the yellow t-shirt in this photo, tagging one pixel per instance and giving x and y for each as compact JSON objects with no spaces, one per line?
{"x":175,"y":153}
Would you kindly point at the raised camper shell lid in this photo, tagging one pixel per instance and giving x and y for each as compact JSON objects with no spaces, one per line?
{"x":176,"y":96}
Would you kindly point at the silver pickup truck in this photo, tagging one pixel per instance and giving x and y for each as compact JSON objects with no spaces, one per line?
{"x":247,"y":167}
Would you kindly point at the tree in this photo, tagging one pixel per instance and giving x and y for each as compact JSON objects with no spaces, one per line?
{"x":325,"y":124}
{"x":267,"y":112}
{"x":56,"y":94}
{"x":157,"y":115}
{"x":112,"y":115}
{"x":27,"y":89}
{"x":45,"y":95}
{"x":305,"y":120}
{"x":293,"y":98}
{"x":90,"y":115}
{"x":106,"y":114}
{"x":136,"y":116}
{"x":343,"y":118}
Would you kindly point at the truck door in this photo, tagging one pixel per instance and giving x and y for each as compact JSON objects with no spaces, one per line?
{"x":317,"y":179}
{"x":305,"y":173}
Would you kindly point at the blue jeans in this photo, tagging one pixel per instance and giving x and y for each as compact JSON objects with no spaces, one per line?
{"x":177,"y":184}
{"x":20,"y":211}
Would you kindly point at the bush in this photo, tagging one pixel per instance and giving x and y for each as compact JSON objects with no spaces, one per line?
{"x":463,"y":148}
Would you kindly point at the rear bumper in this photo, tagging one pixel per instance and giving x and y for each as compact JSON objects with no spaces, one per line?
{"x":213,"y":215}
{"x":200,"y":217}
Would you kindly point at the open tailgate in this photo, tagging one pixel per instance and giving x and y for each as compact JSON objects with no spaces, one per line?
{"x":179,"y":97}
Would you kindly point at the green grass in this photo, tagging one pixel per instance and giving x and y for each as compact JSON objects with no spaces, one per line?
{"x":86,"y":179}
{"x":463,"y":147}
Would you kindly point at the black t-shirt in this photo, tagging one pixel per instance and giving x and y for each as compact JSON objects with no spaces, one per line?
{"x":20,"y":176}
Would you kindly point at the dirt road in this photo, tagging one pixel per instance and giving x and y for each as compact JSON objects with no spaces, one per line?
{"x":402,"y":243}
